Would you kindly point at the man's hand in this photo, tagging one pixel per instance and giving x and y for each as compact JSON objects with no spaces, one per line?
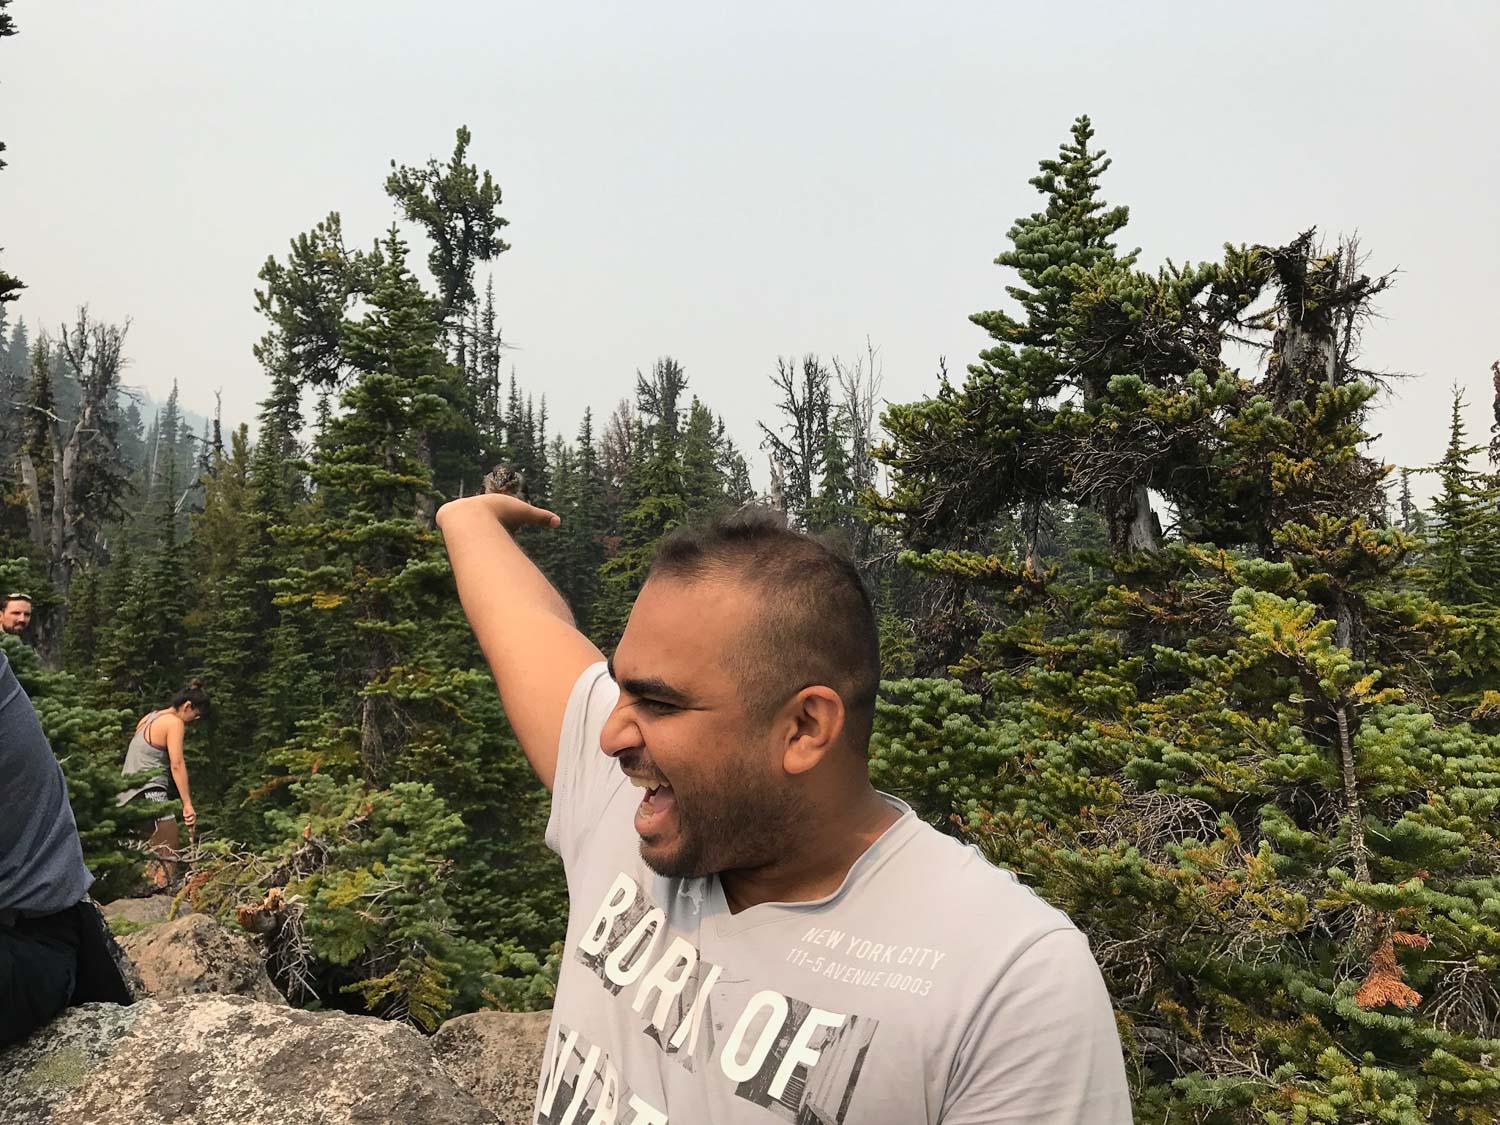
{"x":524,"y":627}
{"x":511,"y":513}
{"x":189,"y":814}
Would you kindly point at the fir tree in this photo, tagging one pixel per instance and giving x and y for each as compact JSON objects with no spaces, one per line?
{"x":1025,"y":382}
{"x":703,"y":484}
{"x":143,"y":651}
{"x":1463,"y":555}
{"x":653,"y":498}
{"x":459,"y":210}
{"x":583,"y":527}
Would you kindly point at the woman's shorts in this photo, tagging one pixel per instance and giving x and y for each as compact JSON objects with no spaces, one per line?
{"x":156,"y":793}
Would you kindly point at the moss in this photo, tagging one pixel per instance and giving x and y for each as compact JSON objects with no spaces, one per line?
{"x":62,"y":1069}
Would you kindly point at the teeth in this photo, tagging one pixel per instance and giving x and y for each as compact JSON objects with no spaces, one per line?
{"x":639,"y":782}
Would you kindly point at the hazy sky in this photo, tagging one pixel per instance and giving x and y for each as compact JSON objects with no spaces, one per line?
{"x":729,"y":183}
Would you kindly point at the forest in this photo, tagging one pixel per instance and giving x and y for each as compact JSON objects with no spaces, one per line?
{"x":1159,"y":631}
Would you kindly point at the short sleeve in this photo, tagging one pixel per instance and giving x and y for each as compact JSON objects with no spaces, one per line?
{"x":586,"y":778}
{"x":1042,"y":1048}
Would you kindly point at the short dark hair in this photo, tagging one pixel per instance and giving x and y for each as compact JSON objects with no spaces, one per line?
{"x":818,"y":624}
{"x":6,"y":599}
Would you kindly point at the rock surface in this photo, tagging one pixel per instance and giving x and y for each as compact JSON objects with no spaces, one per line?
{"x":142,"y":911}
{"x":497,"y":1057}
{"x":194,"y":955}
{"x":230,"y":1060}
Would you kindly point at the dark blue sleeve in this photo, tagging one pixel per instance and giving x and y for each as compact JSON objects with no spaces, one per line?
{"x":41,"y":859}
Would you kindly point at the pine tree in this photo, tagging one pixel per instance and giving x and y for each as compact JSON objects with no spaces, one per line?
{"x":583,"y":528}
{"x":459,"y":210}
{"x":307,"y":300}
{"x":738,"y":488}
{"x":370,"y":473}
{"x":703,"y":484}
{"x":1026,"y":382}
{"x":801,"y":446}
{"x":143,"y":651}
{"x":85,"y":621}
{"x":653,"y":498}
{"x":1231,"y":764}
{"x":1463,"y":555}
{"x":368,"y":675}
{"x":15,"y":365}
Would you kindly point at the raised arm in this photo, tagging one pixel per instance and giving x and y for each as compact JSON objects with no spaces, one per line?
{"x":524,"y":627}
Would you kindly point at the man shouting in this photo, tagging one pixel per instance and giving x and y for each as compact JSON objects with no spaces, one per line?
{"x":756,"y":935}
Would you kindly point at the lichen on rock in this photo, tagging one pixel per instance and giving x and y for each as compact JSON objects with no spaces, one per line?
{"x":227,"y":1059}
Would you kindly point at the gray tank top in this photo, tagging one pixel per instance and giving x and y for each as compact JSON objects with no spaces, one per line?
{"x":141,"y":755}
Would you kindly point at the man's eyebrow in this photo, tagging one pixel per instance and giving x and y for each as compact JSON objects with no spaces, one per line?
{"x":654,"y":687}
{"x":649,"y":687}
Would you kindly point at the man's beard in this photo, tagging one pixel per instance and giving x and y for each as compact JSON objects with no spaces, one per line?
{"x":736,"y":821}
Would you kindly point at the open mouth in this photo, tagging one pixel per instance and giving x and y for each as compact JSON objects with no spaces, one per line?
{"x":657,"y":804}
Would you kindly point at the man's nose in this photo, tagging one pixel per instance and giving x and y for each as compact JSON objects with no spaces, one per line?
{"x":619,"y":733}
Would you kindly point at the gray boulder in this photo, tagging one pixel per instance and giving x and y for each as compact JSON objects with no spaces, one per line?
{"x":230,"y":1060}
{"x":193,"y":955}
{"x":497,"y":1057}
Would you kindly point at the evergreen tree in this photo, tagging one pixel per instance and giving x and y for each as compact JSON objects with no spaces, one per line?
{"x":738,"y":488}
{"x":369,"y":474}
{"x":653,"y":498}
{"x":85,"y":621}
{"x":71,"y":473}
{"x":143,"y":651}
{"x":1034,"y":378}
{"x":801,"y":446}
{"x":581,"y":536}
{"x":307,"y":301}
{"x":703,"y":483}
{"x":1230,"y":766}
{"x":1463,"y":555}
{"x":15,"y":364}
{"x":459,"y":210}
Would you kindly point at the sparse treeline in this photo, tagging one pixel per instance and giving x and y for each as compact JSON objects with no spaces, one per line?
{"x":1159,"y":634}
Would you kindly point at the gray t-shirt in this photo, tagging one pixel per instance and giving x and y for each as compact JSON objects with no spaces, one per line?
{"x":41,"y":859}
{"x":931,"y":987}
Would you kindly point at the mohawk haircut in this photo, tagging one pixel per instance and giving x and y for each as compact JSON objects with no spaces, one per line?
{"x":816,"y":625}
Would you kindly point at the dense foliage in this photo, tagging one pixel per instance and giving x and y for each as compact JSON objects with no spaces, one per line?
{"x":1254,"y":755}
{"x":1159,"y":634}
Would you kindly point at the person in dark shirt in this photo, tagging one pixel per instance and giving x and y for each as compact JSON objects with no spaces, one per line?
{"x":49,"y":932}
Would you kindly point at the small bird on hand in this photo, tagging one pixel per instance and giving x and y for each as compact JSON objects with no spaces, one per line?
{"x":508,"y":482}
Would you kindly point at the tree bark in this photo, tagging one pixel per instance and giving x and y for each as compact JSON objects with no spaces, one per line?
{"x":1142,"y":535}
{"x":1353,"y":806}
{"x":1132,"y":522}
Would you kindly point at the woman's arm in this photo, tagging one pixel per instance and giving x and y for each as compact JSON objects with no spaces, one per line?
{"x":175,"y":731}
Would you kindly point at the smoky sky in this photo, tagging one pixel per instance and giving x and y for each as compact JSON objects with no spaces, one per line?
{"x":726,"y":184}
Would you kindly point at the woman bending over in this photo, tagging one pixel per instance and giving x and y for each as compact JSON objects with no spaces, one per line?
{"x":157,"y":746}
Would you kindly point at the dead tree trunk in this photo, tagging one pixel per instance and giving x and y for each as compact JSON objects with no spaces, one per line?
{"x":64,"y":513}
{"x":1132,"y":522}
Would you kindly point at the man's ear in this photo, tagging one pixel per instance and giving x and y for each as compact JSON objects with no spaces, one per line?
{"x":814,"y":722}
